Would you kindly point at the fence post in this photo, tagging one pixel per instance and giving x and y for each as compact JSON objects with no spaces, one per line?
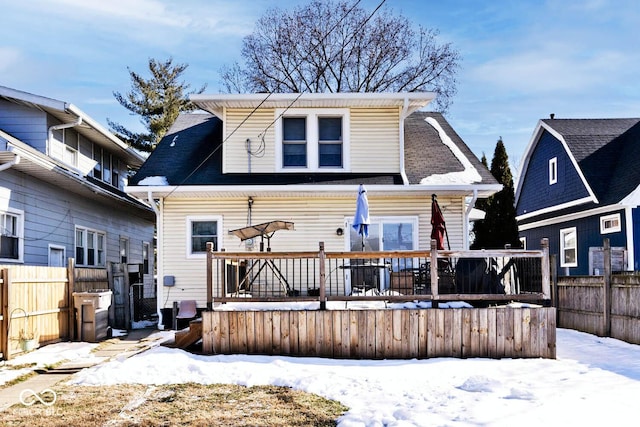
{"x":210,"y":276}
{"x":546,"y":284}
{"x":553,"y":266}
{"x":434,"y":272}
{"x":71,"y":287}
{"x":607,"y":288}
{"x":323,"y":278}
{"x":4,"y":314}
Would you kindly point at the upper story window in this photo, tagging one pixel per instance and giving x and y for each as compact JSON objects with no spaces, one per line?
{"x":200,"y":231}
{"x":312,"y":140}
{"x":610,"y":224}
{"x":569,"y":247}
{"x":11,"y":229}
{"x":90,"y":247}
{"x":553,"y":170}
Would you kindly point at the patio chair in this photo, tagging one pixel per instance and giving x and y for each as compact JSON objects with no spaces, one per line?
{"x":187,"y":311}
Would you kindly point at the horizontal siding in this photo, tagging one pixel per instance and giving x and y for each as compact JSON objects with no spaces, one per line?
{"x":236,"y":159}
{"x":315,"y":220}
{"x":51,"y":214}
{"x":375,"y":140}
{"x":26,"y":124}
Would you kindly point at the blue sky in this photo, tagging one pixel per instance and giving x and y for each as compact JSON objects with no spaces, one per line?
{"x":522,"y":60}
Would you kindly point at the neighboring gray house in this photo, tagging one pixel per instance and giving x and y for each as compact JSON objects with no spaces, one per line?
{"x":61,"y":181}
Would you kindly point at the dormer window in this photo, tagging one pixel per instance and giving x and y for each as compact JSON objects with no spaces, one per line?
{"x":553,"y":171}
{"x":312,"y":140}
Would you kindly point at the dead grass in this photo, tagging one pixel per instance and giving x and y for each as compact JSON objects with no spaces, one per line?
{"x":177,"y":405}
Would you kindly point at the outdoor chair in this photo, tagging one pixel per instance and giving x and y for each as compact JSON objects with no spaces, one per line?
{"x":187,"y":312}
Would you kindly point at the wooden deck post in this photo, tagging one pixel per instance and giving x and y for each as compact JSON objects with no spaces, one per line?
{"x":210,"y":276}
{"x":606,"y":300}
{"x":434,"y":272}
{"x":323,"y":277}
{"x":546,"y":282}
{"x":4,"y":313}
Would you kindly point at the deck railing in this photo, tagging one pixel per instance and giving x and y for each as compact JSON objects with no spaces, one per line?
{"x":481,"y":277}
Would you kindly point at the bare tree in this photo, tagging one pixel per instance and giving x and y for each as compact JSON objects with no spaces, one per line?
{"x":328,"y":46}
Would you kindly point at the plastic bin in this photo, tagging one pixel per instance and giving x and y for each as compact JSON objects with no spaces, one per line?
{"x":92,"y":314}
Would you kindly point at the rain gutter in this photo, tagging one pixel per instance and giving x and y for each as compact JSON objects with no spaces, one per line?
{"x":403,"y":115}
{"x":465,"y":223}
{"x":58,"y":127}
{"x":10,"y":164}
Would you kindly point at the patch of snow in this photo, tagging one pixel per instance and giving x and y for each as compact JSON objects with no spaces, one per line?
{"x":468,"y":176}
{"x":154,"y":181}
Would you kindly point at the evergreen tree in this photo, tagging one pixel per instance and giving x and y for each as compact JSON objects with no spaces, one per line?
{"x":499,"y":227}
{"x":157,"y":100}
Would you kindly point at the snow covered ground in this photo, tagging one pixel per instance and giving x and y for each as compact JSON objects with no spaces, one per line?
{"x":593,"y":381}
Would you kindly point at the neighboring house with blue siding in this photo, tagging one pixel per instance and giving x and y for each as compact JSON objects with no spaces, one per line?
{"x":580,"y":184}
{"x":61,"y":190}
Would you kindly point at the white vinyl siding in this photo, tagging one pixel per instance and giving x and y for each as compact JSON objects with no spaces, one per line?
{"x":373,"y":135}
{"x":375,"y":140}
{"x":236,"y":158}
{"x":315,"y":220}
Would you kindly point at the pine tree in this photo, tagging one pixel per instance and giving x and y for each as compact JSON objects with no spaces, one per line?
{"x":157,"y":100}
{"x":499,"y":227}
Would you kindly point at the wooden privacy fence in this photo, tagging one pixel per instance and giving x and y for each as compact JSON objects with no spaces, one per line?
{"x":39,"y":301}
{"x":606,"y":305}
{"x":493,"y":332}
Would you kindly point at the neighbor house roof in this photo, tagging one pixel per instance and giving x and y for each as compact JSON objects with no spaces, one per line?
{"x":67,"y":113}
{"x":606,"y":151}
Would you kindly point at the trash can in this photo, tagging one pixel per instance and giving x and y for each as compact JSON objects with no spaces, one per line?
{"x":92,"y":314}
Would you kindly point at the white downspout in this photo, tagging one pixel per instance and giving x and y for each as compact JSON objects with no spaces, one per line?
{"x":159,"y":265}
{"x":467,"y":213}
{"x":58,"y":127}
{"x":403,"y":115}
{"x":10,"y":164}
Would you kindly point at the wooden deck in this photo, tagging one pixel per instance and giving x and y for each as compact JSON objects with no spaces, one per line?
{"x":494,"y":332}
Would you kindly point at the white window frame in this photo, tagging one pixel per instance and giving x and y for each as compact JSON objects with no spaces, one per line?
{"x":100,"y":255}
{"x":58,"y":248}
{"x":553,"y":171}
{"x":146,"y":257}
{"x":523,"y":242}
{"x":19,"y":216}
{"x":606,"y":229}
{"x":313,"y":144}
{"x":198,"y":218}
{"x":123,"y":244}
{"x":564,"y":248}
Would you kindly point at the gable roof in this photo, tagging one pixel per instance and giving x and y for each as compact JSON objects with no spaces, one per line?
{"x":605,"y":152}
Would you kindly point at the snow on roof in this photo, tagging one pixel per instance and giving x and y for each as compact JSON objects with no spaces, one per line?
{"x":470,"y":173}
{"x":154,"y":181}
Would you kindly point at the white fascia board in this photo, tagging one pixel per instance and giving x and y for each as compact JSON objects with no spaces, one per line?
{"x":164,"y":191}
{"x":570,"y":217}
{"x":550,"y":209}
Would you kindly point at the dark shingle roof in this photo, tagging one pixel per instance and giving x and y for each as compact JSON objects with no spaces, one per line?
{"x":196,"y":138}
{"x":607,"y":152}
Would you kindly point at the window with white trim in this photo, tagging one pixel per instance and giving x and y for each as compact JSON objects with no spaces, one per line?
{"x":569,"y":247}
{"x":90,"y":247}
{"x":201,"y":230}
{"x":610,"y":224}
{"x":146,"y":248}
{"x":11,"y":229}
{"x":553,"y":170}
{"x":124,"y":250}
{"x":312,"y":140}
{"x":523,"y":243}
